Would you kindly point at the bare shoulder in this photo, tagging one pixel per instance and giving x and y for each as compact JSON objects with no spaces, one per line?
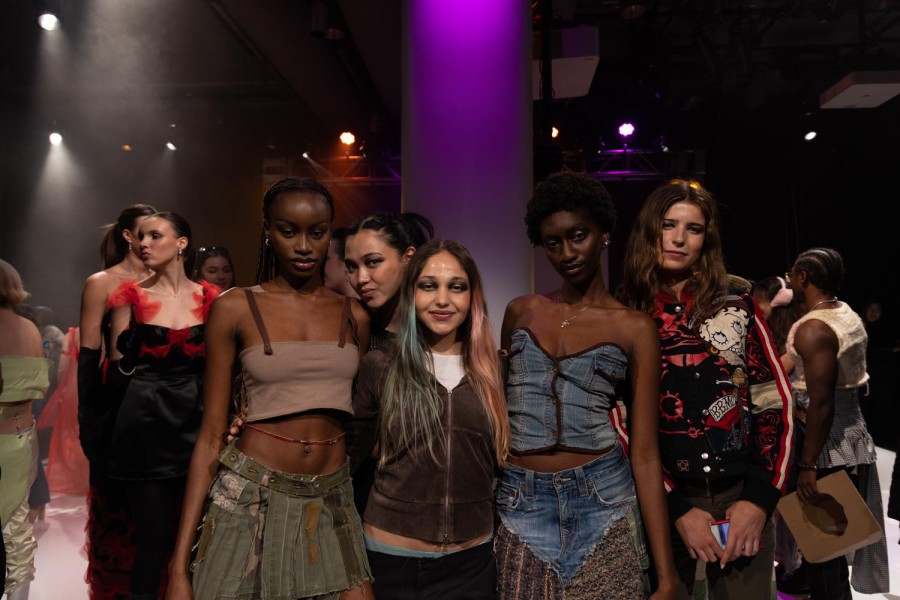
{"x":523,"y":304}
{"x":359,"y":312}
{"x":636,"y":321}
{"x":814,"y":332}
{"x":100,"y":281}
{"x":230,"y":302}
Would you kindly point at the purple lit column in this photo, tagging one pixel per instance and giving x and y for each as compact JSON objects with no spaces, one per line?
{"x":467,"y":132}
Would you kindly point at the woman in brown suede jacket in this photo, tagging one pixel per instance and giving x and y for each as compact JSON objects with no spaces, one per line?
{"x":430,"y":407}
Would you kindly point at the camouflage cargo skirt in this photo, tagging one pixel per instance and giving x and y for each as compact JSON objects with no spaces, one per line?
{"x":271,"y":535}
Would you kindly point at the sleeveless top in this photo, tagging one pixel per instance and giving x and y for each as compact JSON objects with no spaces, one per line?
{"x":561,"y":402}
{"x":284,"y":378}
{"x":23,"y":378}
{"x":852,"y":340}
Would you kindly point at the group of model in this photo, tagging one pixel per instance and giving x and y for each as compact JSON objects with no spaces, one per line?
{"x":586,"y":459}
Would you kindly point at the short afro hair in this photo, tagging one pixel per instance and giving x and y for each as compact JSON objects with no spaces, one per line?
{"x":571,"y":192}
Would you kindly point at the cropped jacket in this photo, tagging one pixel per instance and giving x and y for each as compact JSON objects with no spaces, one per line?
{"x":447,"y":502}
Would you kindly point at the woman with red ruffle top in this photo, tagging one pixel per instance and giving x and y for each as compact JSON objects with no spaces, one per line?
{"x":158,"y":328}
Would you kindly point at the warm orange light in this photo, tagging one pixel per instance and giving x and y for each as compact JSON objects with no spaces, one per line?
{"x":126,"y":147}
{"x":347,"y":138}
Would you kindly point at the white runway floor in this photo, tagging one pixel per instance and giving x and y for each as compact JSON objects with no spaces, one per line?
{"x":61,"y":562}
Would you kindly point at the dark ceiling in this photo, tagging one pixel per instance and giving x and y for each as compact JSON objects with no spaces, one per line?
{"x":732,"y":83}
{"x":292,"y":74}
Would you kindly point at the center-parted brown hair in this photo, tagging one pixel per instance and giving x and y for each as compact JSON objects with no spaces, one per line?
{"x":641,"y":281}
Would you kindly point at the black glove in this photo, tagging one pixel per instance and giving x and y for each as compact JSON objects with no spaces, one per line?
{"x":90,"y":400}
{"x":129,"y":346}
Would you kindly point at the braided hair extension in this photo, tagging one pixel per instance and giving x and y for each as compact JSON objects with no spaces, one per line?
{"x":824,"y":268}
{"x":267,"y":263}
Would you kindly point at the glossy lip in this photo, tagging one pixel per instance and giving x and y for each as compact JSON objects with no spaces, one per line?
{"x":441,"y":315}
{"x":304,"y":264}
{"x":571,"y":269}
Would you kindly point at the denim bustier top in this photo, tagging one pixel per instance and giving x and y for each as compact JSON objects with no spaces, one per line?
{"x":561,"y":402}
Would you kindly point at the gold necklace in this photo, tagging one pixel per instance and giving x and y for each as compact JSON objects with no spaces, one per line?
{"x":568,"y":320}
{"x":821,"y":302}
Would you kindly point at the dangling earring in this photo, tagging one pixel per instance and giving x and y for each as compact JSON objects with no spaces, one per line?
{"x":267,"y":242}
{"x":605,"y":243}
{"x":129,"y":246}
{"x":180,"y":252}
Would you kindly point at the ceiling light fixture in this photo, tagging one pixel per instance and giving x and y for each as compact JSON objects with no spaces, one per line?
{"x":55,"y":138}
{"x":632,"y":9}
{"x":810,"y":136}
{"x":170,"y":145}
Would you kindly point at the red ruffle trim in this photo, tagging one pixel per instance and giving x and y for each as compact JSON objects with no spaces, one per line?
{"x":130,"y":293}
{"x":205,"y":299}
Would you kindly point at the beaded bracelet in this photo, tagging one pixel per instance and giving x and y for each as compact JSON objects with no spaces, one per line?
{"x":805,"y":467}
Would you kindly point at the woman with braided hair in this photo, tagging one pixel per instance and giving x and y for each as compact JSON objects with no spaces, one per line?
{"x":276,"y":508}
{"x":828,"y":346}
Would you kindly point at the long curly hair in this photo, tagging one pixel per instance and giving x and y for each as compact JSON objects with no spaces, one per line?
{"x":641,"y":282}
{"x":411,"y":404}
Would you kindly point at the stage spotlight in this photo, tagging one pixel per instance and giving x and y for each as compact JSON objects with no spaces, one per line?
{"x":810,"y":136}
{"x":626,"y":129}
{"x":48,"y":21}
{"x":55,"y":139}
{"x":554,"y":132}
{"x":347,"y":138}
{"x":170,"y":145}
{"x":306,"y":155}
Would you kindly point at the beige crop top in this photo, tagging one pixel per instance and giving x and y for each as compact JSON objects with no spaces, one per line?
{"x":852,"y":339}
{"x":284,"y":378}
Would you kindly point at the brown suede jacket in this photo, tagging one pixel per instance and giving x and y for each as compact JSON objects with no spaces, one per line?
{"x":448,"y":502}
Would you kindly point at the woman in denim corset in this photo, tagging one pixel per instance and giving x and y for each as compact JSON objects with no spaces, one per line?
{"x":568,"y":498}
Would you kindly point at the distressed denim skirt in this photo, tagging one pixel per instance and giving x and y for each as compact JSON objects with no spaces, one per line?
{"x":271,"y":535}
{"x":563,"y":517}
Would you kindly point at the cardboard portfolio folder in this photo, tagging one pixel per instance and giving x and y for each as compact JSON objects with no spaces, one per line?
{"x":836,"y":524}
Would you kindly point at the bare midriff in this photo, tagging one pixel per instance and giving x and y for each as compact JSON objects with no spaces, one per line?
{"x":557,"y":460}
{"x":15,"y":417}
{"x":297,"y":457}
{"x":408,"y":543}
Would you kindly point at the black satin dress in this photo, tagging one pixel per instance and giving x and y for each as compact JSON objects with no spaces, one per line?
{"x":159,"y":417}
